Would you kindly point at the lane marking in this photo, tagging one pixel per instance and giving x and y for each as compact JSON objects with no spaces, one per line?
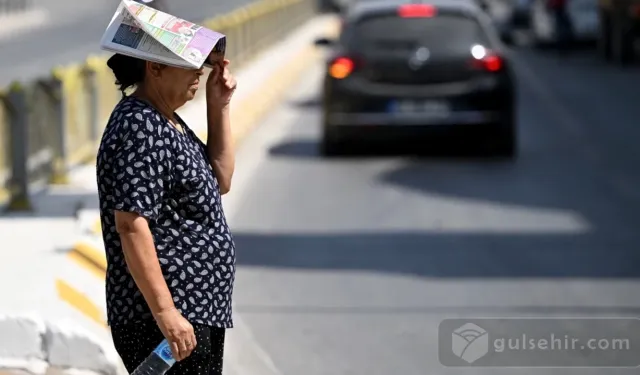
{"x":88,"y":257}
{"x":80,"y":302}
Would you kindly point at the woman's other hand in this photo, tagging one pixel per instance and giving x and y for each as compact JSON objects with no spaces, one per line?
{"x":220,"y":85}
{"x":178,"y":332}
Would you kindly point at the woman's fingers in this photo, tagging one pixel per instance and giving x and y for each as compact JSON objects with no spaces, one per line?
{"x":175,"y":350}
{"x":231,"y":83}
{"x":182,"y":346}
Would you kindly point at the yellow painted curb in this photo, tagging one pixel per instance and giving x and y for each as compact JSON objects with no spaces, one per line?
{"x":88,"y":257}
{"x":97,"y":228}
{"x":4,"y":196}
{"x":80,"y":302}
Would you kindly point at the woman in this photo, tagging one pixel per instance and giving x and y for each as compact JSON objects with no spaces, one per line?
{"x":171,"y":258}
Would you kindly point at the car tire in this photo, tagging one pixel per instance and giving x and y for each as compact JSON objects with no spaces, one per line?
{"x":505,"y":144}
{"x":331,"y":144}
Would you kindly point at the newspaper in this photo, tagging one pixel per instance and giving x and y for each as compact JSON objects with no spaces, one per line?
{"x":140,"y":31}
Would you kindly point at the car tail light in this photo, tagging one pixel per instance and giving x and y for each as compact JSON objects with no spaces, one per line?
{"x":492,"y":63}
{"x":416,"y":10}
{"x":341,"y":67}
{"x":486,"y":60}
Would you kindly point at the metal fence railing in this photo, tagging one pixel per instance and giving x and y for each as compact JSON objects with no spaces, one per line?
{"x":53,"y":123}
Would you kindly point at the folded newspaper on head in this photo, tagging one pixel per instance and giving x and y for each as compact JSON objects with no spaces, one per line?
{"x":138,"y":30}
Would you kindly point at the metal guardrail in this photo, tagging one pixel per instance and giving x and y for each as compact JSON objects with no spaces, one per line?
{"x":49,"y":125}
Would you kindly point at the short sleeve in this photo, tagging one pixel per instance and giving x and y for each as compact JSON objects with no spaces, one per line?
{"x":141,"y":165}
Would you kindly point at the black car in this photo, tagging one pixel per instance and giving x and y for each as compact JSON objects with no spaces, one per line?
{"x":418,"y":69}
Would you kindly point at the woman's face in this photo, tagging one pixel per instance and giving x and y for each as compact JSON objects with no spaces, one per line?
{"x":177,"y":85}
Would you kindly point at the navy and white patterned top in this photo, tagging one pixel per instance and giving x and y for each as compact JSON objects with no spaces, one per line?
{"x":146,"y":165}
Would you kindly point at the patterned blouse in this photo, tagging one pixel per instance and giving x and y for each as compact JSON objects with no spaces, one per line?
{"x":147,"y":166}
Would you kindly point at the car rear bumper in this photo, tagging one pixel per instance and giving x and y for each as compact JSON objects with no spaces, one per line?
{"x":413,"y":120}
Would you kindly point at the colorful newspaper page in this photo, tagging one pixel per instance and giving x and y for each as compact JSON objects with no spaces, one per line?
{"x":124,"y":35}
{"x":191,"y":42}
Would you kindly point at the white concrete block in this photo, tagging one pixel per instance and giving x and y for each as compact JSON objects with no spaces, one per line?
{"x":69,"y":371}
{"x":70,"y":346}
{"x":21,"y":343}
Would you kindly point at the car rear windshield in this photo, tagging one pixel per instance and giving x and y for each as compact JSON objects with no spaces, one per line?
{"x":442,"y":33}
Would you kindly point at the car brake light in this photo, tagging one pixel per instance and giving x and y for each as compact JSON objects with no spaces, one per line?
{"x":492,"y":63}
{"x":485,"y":59}
{"x":416,"y":10}
{"x":341,"y":67}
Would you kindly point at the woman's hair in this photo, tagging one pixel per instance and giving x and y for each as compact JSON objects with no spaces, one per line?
{"x":129,"y":71}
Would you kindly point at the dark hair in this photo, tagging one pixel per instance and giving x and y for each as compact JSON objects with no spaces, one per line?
{"x":129,"y":71}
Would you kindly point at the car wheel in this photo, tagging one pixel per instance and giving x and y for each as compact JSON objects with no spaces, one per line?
{"x":506,"y":147}
{"x":505,"y":144}
{"x":331,"y":144}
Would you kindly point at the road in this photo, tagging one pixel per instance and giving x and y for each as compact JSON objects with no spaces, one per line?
{"x":347,"y":266}
{"x":73,"y":31}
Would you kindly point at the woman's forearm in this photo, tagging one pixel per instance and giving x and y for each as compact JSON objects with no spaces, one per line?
{"x":220,"y":145}
{"x":142,"y":261}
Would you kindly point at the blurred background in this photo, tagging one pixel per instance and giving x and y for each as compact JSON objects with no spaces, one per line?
{"x":345,"y":264}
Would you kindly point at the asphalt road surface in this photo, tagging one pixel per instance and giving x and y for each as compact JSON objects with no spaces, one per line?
{"x":73,"y":30}
{"x":347,"y":266}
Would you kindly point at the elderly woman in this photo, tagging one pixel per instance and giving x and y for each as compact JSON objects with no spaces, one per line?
{"x":170,"y":255}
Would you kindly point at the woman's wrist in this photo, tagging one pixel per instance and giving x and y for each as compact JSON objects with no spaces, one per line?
{"x":160,"y":312}
{"x":217,"y":107}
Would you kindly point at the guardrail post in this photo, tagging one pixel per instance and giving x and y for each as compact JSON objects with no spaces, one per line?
{"x":59,"y":175}
{"x":92,"y":89}
{"x":20,"y":199}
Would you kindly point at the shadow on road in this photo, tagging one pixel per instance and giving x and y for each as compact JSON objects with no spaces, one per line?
{"x":594,"y":237}
{"x":604,"y":245}
{"x":311,"y":102}
{"x":443,"y":255}
{"x":434,"y":149}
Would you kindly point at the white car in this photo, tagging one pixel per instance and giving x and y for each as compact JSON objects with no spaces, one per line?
{"x":583,"y":15}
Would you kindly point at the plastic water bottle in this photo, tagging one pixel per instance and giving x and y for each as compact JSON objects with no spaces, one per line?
{"x":158,"y":362}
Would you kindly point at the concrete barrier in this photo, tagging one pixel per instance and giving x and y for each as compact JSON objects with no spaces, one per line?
{"x":29,"y":345}
{"x":49,"y":125}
